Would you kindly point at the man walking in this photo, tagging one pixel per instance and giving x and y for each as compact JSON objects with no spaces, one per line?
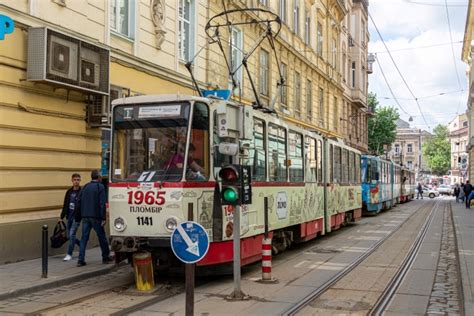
{"x":69,"y":207}
{"x":467,"y":191}
{"x":92,"y":212}
{"x":419,"y":190}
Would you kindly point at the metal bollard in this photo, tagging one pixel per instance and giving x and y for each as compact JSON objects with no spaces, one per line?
{"x":45,"y":251}
{"x":143,"y":266}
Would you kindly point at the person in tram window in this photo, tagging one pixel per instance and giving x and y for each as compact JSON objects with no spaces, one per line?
{"x":419,"y":190}
{"x":195,"y":171}
{"x":69,"y":206}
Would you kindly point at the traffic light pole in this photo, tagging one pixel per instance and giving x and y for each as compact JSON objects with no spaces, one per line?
{"x":237,"y":290}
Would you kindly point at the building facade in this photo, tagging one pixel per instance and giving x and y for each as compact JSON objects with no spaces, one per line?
{"x":407,"y":148}
{"x":59,"y":124}
{"x":467,"y":57}
{"x":458,"y":138}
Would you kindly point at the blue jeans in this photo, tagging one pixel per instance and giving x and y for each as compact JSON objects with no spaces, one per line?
{"x":71,"y":229}
{"x":96,"y":224}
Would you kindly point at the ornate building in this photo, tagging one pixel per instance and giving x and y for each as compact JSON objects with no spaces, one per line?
{"x":66,"y":60}
{"x":467,"y":57}
{"x":458,"y":137}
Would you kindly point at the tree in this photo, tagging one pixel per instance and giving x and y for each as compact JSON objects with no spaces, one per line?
{"x":382,"y":126}
{"x":437,"y":150}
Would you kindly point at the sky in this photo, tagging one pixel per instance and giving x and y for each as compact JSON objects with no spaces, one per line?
{"x":417,"y":34}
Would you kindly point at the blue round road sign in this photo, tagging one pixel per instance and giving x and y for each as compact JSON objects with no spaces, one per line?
{"x":189,"y":242}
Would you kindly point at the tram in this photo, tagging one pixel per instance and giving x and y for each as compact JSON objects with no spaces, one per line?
{"x":166,"y":154}
{"x":384,"y":184}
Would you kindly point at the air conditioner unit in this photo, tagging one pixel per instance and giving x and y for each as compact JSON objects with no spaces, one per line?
{"x":98,"y":111}
{"x":66,"y":61}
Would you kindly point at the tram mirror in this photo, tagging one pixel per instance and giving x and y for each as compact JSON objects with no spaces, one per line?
{"x":229,"y":149}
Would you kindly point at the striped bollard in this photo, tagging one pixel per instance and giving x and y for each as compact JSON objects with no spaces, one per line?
{"x":267,"y":260}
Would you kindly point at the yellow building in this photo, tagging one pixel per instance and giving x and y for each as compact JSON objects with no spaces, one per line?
{"x":48,"y":130}
{"x":66,"y":60}
{"x":467,"y":57}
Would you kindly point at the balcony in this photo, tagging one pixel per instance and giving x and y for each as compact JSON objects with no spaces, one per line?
{"x":358,"y":97}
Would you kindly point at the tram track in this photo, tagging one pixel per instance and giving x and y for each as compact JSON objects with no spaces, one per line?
{"x":299,"y":306}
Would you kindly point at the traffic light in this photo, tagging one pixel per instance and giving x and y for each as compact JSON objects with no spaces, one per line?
{"x":236,"y":185}
{"x":231,"y":184}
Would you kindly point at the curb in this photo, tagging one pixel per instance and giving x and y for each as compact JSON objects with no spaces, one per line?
{"x":58,"y":283}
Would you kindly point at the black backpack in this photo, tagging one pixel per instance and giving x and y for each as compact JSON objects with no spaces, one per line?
{"x":59,"y":237}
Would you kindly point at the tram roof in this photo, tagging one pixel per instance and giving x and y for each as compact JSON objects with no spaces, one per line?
{"x":161,"y":98}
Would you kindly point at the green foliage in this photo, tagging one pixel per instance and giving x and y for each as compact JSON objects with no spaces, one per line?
{"x":437,"y":151}
{"x":382,"y":126}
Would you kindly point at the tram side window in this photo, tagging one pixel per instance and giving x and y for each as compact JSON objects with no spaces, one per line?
{"x":197,"y":166}
{"x":375,"y":170}
{"x":345,"y":166}
{"x":337,"y":164}
{"x":257,"y":154}
{"x":311,"y":162}
{"x":319,"y":157}
{"x":357,"y":169}
{"x":331,"y":163}
{"x":277,"y":152}
{"x":352,"y":167}
{"x":296,"y":156}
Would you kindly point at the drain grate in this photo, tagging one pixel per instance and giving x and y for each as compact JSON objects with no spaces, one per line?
{"x":324,"y":250}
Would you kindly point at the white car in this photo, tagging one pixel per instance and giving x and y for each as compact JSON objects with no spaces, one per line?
{"x":445,"y":189}
{"x":430,"y":192}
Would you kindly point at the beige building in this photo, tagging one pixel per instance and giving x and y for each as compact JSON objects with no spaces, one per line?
{"x":458,"y":138}
{"x":66,"y":60}
{"x":468,"y":58}
{"x":407,"y":148}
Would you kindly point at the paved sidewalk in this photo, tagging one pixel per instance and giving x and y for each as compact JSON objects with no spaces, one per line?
{"x":464,"y":222}
{"x":25,"y":277}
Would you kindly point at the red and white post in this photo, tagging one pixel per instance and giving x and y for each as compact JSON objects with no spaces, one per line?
{"x":267,"y":259}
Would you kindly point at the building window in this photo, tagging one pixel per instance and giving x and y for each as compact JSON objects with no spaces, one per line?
{"x":186,"y":27}
{"x":353,"y":72}
{"x":409,"y":148}
{"x":321,"y":105}
{"x":333,"y":53}
{"x":264,"y":73}
{"x":410,"y":164}
{"x":309,"y":100}
{"x":464,"y":124}
{"x":307,"y":30}
{"x":397,"y":149}
{"x":344,"y":65}
{"x":296,"y":18}
{"x":122,"y":17}
{"x":320,"y":40}
{"x":237,"y":48}
{"x":336,"y":114}
{"x":264,"y":2}
{"x":297,"y":93}
{"x":284,"y":88}
{"x":283,"y":10}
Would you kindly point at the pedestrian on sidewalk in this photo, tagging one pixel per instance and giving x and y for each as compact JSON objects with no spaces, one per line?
{"x":419,"y":191}
{"x":69,"y":207}
{"x":92,"y":212}
{"x":456,"y":192}
{"x":461,"y":193}
{"x":469,"y":198}
{"x":467,"y":191}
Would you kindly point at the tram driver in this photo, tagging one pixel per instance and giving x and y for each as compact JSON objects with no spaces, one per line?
{"x":195,"y":171}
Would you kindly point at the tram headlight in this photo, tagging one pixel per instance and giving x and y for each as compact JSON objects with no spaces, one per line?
{"x":119,"y":224}
{"x":171,"y":223}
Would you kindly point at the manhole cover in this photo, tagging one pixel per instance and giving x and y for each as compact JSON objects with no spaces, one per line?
{"x":324,"y":250}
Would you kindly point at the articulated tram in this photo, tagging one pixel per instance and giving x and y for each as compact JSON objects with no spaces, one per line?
{"x":384,"y":184}
{"x":167,"y":152}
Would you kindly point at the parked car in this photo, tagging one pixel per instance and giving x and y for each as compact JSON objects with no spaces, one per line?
{"x":445,"y":190}
{"x":430,"y":192}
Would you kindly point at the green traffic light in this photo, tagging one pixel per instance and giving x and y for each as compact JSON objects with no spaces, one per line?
{"x":230,"y":195}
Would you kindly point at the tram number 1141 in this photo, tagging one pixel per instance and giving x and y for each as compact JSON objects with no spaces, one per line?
{"x":145,"y":221}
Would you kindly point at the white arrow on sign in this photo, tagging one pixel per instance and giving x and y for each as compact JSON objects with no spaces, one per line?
{"x":193,"y":247}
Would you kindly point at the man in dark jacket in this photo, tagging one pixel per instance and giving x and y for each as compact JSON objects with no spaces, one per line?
{"x":467,"y":191}
{"x":69,"y":207}
{"x":92,"y":213}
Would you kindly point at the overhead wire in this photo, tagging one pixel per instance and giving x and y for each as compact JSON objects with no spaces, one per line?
{"x":389,"y":87}
{"x":398,"y":70}
{"x":452,"y":51}
{"x":432,"y":4}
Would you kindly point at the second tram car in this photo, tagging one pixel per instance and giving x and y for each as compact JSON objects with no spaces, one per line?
{"x":167,"y":152}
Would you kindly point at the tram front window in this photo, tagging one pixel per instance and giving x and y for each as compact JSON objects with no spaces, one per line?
{"x":150,"y":144}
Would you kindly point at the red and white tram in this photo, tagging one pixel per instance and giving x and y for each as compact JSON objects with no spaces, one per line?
{"x":167,"y":151}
